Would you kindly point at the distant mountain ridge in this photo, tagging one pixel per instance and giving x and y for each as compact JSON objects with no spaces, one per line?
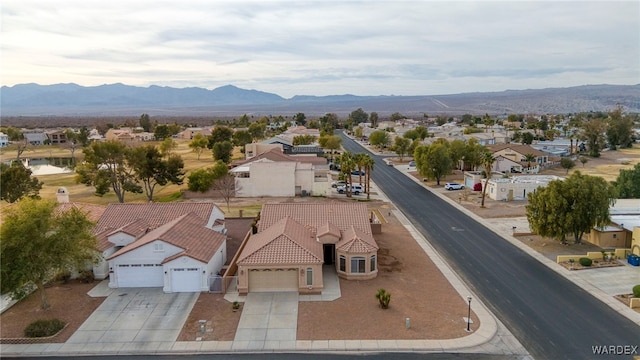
{"x":120,"y":99}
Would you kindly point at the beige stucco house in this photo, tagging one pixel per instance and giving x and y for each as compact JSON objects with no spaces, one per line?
{"x":295,"y":240}
{"x":518,"y":153}
{"x":516,"y":187}
{"x":280,"y":175}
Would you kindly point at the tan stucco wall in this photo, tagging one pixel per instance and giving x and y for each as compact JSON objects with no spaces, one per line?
{"x":635,"y":241}
{"x":268,"y":179}
{"x":368,"y":274}
{"x":608,"y":239}
{"x":500,"y":190}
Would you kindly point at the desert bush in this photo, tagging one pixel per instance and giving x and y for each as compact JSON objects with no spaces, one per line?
{"x":384,"y":298}
{"x":86,"y":276}
{"x":636,"y":291}
{"x":43,"y":328}
{"x":585,"y":261}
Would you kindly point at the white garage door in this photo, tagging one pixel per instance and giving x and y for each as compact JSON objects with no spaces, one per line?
{"x":140,"y":275}
{"x":185,"y":279}
{"x":273,"y":280}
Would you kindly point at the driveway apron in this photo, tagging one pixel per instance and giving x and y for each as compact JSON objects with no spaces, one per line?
{"x":267,"y":318}
{"x":136,"y":315}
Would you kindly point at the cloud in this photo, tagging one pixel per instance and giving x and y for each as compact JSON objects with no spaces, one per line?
{"x":323,"y":47}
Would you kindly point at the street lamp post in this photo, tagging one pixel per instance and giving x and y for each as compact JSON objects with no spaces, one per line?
{"x":469,"y":314}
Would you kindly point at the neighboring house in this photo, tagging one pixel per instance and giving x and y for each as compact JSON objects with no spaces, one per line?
{"x":56,"y":137}
{"x":94,"y":135}
{"x":518,"y":153}
{"x":122,"y":135}
{"x":36,"y":138}
{"x":255,"y":149}
{"x":176,"y":246}
{"x":516,"y":187}
{"x":506,"y":165}
{"x":276,"y":174}
{"x":294,"y":241}
{"x":189,"y":133}
{"x":4,"y":139}
{"x":625,"y":222}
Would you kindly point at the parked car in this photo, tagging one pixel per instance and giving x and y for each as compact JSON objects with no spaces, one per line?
{"x":335,"y":184}
{"x":412,"y":163}
{"x":356,"y":190}
{"x":453,"y":186}
{"x":356,"y":172}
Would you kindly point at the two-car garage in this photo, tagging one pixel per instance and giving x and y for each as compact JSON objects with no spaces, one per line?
{"x":139,"y":275}
{"x":186,"y":279}
{"x":272,"y":280}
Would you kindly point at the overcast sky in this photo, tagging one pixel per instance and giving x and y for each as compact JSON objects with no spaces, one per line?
{"x":322,"y":48}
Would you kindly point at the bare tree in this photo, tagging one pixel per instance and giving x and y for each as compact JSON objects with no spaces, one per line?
{"x":226,"y":186}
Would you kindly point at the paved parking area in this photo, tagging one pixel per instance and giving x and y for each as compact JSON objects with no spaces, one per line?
{"x":135,"y":315}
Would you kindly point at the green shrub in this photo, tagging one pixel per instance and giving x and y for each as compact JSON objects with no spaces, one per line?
{"x":384,"y":298}
{"x":636,"y":291}
{"x":585,"y":261}
{"x":43,"y":328}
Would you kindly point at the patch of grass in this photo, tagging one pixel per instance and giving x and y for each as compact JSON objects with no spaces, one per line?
{"x":170,"y":198}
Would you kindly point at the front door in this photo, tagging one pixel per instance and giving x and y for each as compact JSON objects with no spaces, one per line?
{"x":329,"y":253}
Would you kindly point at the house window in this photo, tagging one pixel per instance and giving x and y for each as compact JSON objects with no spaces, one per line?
{"x":309,"y":276}
{"x":158,"y":247}
{"x":357,"y":265}
{"x":343,"y":263}
{"x":615,"y":236}
{"x":373,"y":263}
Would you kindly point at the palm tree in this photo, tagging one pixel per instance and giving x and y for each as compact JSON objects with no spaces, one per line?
{"x":347,"y":164}
{"x":529,"y":158}
{"x":368,"y":168}
{"x":487,"y":162}
{"x":360,"y":159}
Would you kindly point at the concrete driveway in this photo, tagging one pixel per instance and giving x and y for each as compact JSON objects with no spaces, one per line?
{"x":134,"y":316}
{"x":268,"y":321}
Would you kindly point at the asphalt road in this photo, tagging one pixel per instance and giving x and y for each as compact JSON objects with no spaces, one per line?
{"x":549,"y":315}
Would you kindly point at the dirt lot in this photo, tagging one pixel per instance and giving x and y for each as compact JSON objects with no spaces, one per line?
{"x":418,"y":291}
{"x":69,"y":303}
{"x":221,"y":320}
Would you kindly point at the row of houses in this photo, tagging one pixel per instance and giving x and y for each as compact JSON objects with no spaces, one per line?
{"x":182,"y":247}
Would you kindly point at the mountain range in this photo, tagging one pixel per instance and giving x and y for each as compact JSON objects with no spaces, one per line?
{"x":124,"y":100}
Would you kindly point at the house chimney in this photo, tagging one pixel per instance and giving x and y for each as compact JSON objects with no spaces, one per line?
{"x":62,"y":195}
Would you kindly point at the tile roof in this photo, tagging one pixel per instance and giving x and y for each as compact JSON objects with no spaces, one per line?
{"x":156,"y":214}
{"x":328,"y":228}
{"x":521,"y":149}
{"x":278,"y":155}
{"x":93,"y":212}
{"x":355,"y":241}
{"x":135,"y":228}
{"x":188,"y":232}
{"x":341,"y":215}
{"x":285,"y":242}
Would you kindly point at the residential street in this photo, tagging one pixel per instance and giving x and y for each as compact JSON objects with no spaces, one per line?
{"x":550,"y":316}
